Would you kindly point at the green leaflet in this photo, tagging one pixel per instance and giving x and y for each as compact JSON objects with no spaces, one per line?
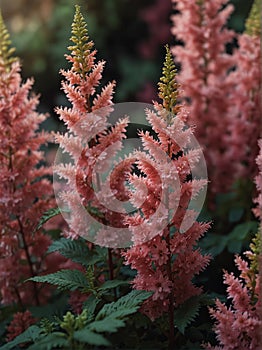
{"x":89,"y":337}
{"x":50,"y":341}
{"x":30,"y":335}
{"x":49,"y":214}
{"x":64,"y":279}
{"x":124,"y":306}
{"x":76,"y":250}
{"x":187,"y":312}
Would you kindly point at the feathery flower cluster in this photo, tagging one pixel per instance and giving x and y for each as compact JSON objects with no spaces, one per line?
{"x":166,"y":263}
{"x":240,"y":326}
{"x":88,"y":135}
{"x":25,"y":193}
{"x":21,"y":321}
{"x":222,"y":90}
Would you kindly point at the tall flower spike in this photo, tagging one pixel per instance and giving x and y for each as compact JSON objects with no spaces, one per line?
{"x":88,"y":134}
{"x":6,"y":52}
{"x":25,"y":192}
{"x":167,"y":262}
{"x":82,"y":46}
{"x":168,"y":86}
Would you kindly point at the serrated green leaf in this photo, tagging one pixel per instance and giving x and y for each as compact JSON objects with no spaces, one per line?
{"x":49,"y":214}
{"x":89,"y":337}
{"x":50,"y":341}
{"x":30,"y":335}
{"x":108,"y":324}
{"x":76,"y":250}
{"x":64,"y":280}
{"x":124,"y":306}
{"x":187,"y":312}
{"x":90,"y":304}
{"x":113,"y":284}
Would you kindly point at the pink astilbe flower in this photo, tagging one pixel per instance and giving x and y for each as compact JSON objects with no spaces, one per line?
{"x":21,"y":321}
{"x":90,"y":141}
{"x":258,"y":180}
{"x":240,"y":325}
{"x":222,"y":90}
{"x":25,"y":191}
{"x":167,"y":262}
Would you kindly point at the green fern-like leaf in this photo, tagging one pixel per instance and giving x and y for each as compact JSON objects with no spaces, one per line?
{"x":64,"y":280}
{"x":108,"y":324}
{"x":49,"y":214}
{"x":6,"y":52}
{"x":89,"y":337}
{"x":51,"y":341}
{"x":187,"y":312}
{"x":112,"y":284}
{"x":30,"y":335}
{"x":75,"y":250}
{"x":124,"y":306}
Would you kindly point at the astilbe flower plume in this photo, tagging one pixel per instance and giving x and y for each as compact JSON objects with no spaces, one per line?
{"x":88,"y":133}
{"x":21,"y":321}
{"x":167,"y":262}
{"x":25,"y":192}
{"x":240,"y":325}
{"x":221,"y":89}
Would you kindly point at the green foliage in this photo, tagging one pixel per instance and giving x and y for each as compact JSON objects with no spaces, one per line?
{"x":49,"y":214}
{"x":65,"y":280}
{"x":125,"y":306}
{"x":76,"y":250}
{"x":187,"y":312}
{"x":30,"y":335}
{"x":234,"y":241}
{"x":79,"y":331}
{"x":6,"y":52}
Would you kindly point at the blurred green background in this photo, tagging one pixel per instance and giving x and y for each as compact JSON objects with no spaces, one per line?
{"x":129,"y":34}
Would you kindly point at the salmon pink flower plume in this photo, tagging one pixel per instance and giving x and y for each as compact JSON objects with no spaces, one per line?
{"x":89,"y":136}
{"x":167,"y":263}
{"x":25,"y":191}
{"x":221,"y":89}
{"x":240,"y":325}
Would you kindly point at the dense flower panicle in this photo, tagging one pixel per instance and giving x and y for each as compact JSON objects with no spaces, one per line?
{"x":222,"y":90}
{"x":21,"y":321}
{"x":25,"y":191}
{"x":258,"y":180}
{"x":90,"y":139}
{"x":167,"y":262}
{"x":239,"y":326}
{"x":243,"y":318}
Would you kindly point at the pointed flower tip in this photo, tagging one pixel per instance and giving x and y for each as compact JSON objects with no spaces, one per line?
{"x":168,"y":87}
{"x":254,"y":20}
{"x":6,"y":51}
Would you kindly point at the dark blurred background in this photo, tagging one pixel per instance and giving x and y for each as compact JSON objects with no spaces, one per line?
{"x":129,"y":34}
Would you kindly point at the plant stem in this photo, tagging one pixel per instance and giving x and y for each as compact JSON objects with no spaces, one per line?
{"x":171,"y":344}
{"x":111,"y":268}
{"x":25,"y":246}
